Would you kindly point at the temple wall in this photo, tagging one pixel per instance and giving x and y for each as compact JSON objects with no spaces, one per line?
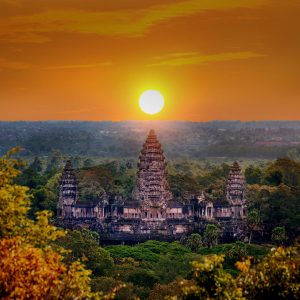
{"x":181,"y":229}
{"x":125,"y":228}
{"x":131,"y":213}
{"x":84,"y":212}
{"x":174,"y":213}
{"x":222,"y":212}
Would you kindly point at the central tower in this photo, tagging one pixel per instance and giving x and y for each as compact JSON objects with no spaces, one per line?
{"x":152,"y":189}
{"x":235,"y":191}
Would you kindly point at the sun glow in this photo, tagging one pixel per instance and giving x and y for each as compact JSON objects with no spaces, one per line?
{"x":151,"y":102}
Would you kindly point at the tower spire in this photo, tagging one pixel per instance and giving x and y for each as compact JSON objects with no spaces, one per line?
{"x":152,"y":188}
{"x":68,"y":191}
{"x":236,"y":190}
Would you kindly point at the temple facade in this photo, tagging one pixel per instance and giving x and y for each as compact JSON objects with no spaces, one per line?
{"x":152,"y":212}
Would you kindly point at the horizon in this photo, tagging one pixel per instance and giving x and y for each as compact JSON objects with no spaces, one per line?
{"x":152,"y":121}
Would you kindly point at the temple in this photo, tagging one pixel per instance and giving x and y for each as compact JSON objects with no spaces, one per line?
{"x":152,"y":212}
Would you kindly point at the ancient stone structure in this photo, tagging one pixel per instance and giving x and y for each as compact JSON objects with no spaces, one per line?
{"x":152,"y":188}
{"x":235,"y":192}
{"x":151,"y":213}
{"x":68,"y":192}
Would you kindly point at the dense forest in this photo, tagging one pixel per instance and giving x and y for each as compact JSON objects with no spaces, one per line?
{"x":273,"y":189}
{"x":41,"y":261}
{"x":193,"y":140}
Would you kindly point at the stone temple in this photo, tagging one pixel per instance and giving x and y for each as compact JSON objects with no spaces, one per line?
{"x":152,"y":213}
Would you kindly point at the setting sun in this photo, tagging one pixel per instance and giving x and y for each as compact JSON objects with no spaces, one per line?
{"x":151,"y":102}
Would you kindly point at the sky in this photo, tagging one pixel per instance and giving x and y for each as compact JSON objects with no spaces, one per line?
{"x":91,"y":59}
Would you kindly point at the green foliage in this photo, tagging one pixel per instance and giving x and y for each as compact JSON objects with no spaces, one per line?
{"x":93,"y":182}
{"x":253,"y":222}
{"x":181,"y":184}
{"x":88,"y":163}
{"x":285,"y":171}
{"x":211,"y":235}
{"x":253,"y":175}
{"x":76,"y":162}
{"x":279,"y":236}
{"x":15,"y":206}
{"x":211,"y":281}
{"x":84,"y":245}
{"x":237,"y":252}
{"x":37,"y":165}
{"x":277,"y":276}
{"x":55,"y":163}
{"x":234,"y":252}
{"x":143,"y":278}
{"x":156,"y":258}
{"x":256,"y":251}
{"x":103,"y":284}
{"x":31,"y":178}
{"x":162,"y":291}
{"x":30,"y":268}
{"x":122,"y":139}
{"x":194,"y":242}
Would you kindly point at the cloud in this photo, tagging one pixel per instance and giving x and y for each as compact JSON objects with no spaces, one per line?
{"x":195,"y":58}
{"x":13,"y":65}
{"x":82,"y":66}
{"x":36,"y":28}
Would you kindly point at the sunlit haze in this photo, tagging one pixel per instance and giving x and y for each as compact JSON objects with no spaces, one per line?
{"x":91,"y":60}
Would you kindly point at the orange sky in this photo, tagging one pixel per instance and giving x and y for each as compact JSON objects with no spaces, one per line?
{"x":90,"y":59}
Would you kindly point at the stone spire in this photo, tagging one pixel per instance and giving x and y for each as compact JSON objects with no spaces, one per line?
{"x":152,"y":188}
{"x":235,"y":184}
{"x":68,"y":191}
{"x":236,"y":191}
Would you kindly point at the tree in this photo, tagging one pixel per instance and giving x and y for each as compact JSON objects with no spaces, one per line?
{"x":27,"y":272}
{"x":293,"y":154}
{"x":279,"y":236}
{"x":253,"y":175}
{"x":55,"y":163}
{"x":84,"y":244}
{"x":161,"y":291}
{"x":15,"y":203}
{"x":194,"y":241}
{"x":237,"y":252}
{"x":29,"y":266}
{"x":181,"y":184}
{"x":37,"y":165}
{"x":76,"y":162}
{"x":277,"y":276}
{"x":88,"y":163}
{"x":143,"y":277}
{"x":210,"y":281}
{"x":274,"y":177}
{"x":211,"y":235}
{"x":253,"y":221}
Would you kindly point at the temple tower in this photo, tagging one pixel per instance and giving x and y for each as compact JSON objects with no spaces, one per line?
{"x":68,"y":192}
{"x":152,"y":189}
{"x":236,"y":191}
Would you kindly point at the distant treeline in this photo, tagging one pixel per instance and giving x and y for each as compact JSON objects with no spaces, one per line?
{"x":232,"y":139}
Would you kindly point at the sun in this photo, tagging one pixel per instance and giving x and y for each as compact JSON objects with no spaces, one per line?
{"x":151,"y":102}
